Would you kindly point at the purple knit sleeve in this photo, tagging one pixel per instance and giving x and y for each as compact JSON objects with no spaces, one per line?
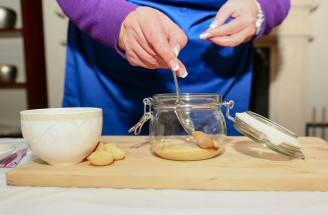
{"x":275,"y":11}
{"x":100,"y":19}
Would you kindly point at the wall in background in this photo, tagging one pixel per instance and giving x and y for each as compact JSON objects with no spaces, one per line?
{"x":317,"y":86}
{"x":55,"y":29}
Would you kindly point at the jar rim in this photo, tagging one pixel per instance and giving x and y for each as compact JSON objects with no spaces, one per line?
{"x":189,"y":95}
{"x":188,"y":100}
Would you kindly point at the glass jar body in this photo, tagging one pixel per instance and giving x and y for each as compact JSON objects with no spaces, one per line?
{"x":169,"y":138}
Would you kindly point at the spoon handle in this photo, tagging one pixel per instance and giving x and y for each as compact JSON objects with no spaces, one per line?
{"x":176,"y":87}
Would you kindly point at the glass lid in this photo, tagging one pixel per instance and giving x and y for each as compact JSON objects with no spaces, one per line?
{"x":268,"y":134}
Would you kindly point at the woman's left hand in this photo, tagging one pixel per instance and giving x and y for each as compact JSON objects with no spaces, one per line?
{"x":239,"y":30}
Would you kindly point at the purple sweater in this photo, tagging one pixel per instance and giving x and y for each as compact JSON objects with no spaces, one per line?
{"x":102,"y":19}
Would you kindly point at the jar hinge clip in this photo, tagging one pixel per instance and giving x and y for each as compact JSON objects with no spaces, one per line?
{"x":146,"y":116}
{"x":229,"y":106}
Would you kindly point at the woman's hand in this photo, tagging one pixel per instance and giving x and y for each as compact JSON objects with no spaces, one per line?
{"x":151,"y":40}
{"x":239,"y":30}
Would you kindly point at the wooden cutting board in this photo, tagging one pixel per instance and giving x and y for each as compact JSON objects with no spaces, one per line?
{"x":245,"y":165}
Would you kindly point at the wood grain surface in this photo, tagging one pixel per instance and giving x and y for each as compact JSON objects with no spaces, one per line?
{"x":244,"y":165}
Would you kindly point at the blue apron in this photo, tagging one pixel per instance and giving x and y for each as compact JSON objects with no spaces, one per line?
{"x":96,"y":76}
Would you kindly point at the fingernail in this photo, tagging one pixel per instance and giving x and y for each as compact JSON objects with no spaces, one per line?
{"x":204,"y":35}
{"x":177,"y":50}
{"x":214,"y":24}
{"x":185,"y":73}
{"x":174,"y":66}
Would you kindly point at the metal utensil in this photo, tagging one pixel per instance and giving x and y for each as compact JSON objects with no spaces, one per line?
{"x":8,"y":73}
{"x":8,"y":17}
{"x":203,"y":140}
{"x":183,"y":116}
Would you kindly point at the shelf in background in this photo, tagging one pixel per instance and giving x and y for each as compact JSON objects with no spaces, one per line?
{"x":11,"y":32}
{"x":31,"y":34}
{"x":14,"y":85}
{"x":11,"y":135}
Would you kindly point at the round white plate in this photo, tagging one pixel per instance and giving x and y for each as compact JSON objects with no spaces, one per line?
{"x":6,"y":150}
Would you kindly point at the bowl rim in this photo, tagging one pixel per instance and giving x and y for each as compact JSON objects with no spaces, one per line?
{"x":53,"y":111}
{"x":56,"y":114}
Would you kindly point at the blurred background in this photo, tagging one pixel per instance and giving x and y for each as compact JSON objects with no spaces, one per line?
{"x":290,"y":81}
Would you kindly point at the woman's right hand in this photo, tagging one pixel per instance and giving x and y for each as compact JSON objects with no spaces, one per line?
{"x":151,"y":40}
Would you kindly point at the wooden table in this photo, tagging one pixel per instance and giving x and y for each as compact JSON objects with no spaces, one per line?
{"x":245,"y":165}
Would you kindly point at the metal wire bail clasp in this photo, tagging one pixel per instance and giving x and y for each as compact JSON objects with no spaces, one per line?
{"x":229,"y":106}
{"x":146,"y":116}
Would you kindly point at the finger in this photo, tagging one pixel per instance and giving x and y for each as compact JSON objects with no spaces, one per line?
{"x":165,"y":52}
{"x":146,"y":60}
{"x":146,"y":46}
{"x":232,"y":40}
{"x":137,"y":56}
{"x":233,"y":27}
{"x":135,"y":60}
{"x":156,"y":34}
{"x":223,"y":14}
{"x":177,"y":39}
{"x":143,"y":55}
{"x":158,"y":41}
{"x":182,"y":72}
{"x":133,"y":28}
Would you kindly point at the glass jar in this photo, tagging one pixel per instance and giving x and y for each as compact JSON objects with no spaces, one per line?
{"x":172,"y":123}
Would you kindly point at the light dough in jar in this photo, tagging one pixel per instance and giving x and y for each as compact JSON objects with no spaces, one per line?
{"x":178,"y":149}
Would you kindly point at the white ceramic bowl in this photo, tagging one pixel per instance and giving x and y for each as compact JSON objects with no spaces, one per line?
{"x":62,"y":136}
